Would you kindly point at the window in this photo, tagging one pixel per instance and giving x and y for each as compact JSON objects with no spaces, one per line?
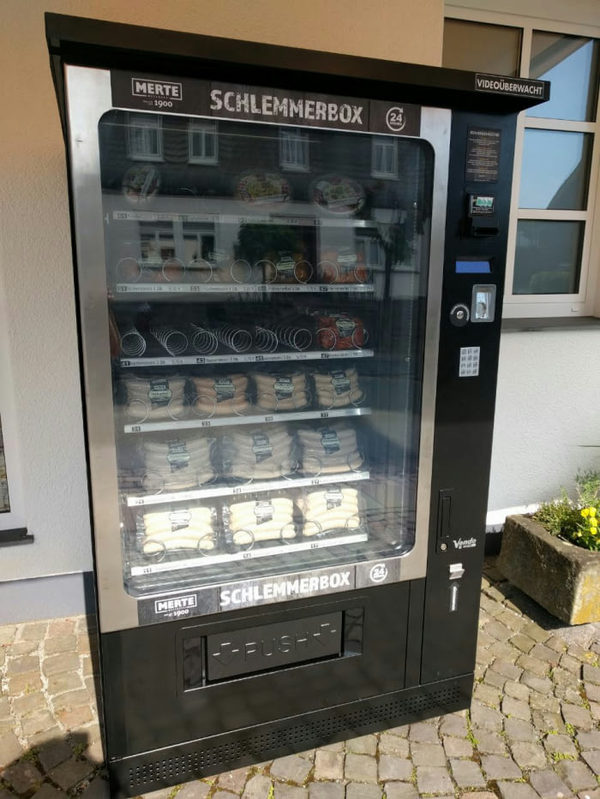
{"x":144,"y":137}
{"x":293,"y":149}
{"x":4,"y":500}
{"x":550,"y":232}
{"x":202,"y":138}
{"x":384,"y":157}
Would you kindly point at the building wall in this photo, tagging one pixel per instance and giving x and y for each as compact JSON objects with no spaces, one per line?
{"x":40,"y":399}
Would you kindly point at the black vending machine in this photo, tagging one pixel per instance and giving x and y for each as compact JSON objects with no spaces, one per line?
{"x":289,"y":275}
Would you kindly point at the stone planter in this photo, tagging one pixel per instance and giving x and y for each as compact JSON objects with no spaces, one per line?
{"x":561,"y":577}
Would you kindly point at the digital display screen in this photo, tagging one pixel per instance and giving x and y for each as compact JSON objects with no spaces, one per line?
{"x":473,"y":267}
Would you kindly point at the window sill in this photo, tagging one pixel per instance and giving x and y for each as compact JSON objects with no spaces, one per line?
{"x":532,"y":325}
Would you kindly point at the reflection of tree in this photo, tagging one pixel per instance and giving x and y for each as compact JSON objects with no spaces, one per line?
{"x":393,"y":232}
{"x":255,"y":242}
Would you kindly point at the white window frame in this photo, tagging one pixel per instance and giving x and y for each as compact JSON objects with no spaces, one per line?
{"x":388,"y":142}
{"x":196,"y":126}
{"x":148,"y":121}
{"x":301,"y":138}
{"x":586,"y":302}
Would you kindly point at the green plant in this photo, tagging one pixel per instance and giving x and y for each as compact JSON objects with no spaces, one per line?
{"x":575,"y":520}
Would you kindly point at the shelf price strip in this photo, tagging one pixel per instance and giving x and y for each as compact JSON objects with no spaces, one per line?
{"x":227,"y":421}
{"x":238,"y":288}
{"x":280,"y":549}
{"x":246,"y":488}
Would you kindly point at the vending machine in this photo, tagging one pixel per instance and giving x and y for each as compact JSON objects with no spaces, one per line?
{"x":289,"y":273}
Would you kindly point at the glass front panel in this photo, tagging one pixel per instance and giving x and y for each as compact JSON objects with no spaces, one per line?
{"x":267,"y":337}
{"x":555,"y":169}
{"x":571,"y":64}
{"x":481,"y":48}
{"x":547,"y":257}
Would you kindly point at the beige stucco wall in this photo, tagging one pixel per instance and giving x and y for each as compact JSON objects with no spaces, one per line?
{"x":39,"y":382}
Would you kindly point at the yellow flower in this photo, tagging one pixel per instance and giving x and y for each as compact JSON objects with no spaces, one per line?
{"x":592,"y":512}
{"x":593,"y":523}
{"x":585,"y":512}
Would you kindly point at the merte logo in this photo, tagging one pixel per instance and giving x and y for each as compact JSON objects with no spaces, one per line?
{"x":156,"y":89}
{"x":175,"y":604}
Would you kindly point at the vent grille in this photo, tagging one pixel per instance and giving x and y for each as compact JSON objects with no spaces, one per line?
{"x":304,"y":735}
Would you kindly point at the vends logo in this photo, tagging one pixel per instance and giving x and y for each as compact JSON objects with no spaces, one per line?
{"x":175,"y":604}
{"x":156,"y":89}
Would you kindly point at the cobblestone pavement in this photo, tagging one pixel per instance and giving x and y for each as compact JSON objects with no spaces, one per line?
{"x":533,"y":729}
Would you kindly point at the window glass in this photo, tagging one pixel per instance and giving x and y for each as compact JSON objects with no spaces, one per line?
{"x":555,"y":169}
{"x":293,"y":149}
{"x":4,"y":501}
{"x":384,"y":157}
{"x":571,"y":64}
{"x":203,"y":142}
{"x":144,"y":139}
{"x":548,"y":255}
{"x":481,"y":48}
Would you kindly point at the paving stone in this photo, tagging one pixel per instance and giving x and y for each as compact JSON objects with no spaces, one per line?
{"x":33,"y":632}
{"x":329,"y":765}
{"x":453,"y":725}
{"x":292,"y":768}
{"x":394,"y":768}
{"x":326,"y":790}
{"x":283,"y":791}
{"x":335,"y":747}
{"x":486,"y":717}
{"x":60,"y":627}
{"x":75,"y":717}
{"x":71,"y":773}
{"x":592,"y":691}
{"x":506,"y":652}
{"x":393,"y":745}
{"x":10,"y":749}
{"x":457,"y":747}
{"x":533,"y":664}
{"x":490,"y":743}
{"x":546,"y":654}
{"x":53,"y":753}
{"x":515,"y":708}
{"x":4,"y":708}
{"x":22,"y":776}
{"x":37,"y":722}
{"x":561,"y":745}
{"x":20,"y":648}
{"x":541,"y":684}
{"x":427,"y":754}
{"x":233,"y":780}
{"x":366,"y":745}
{"x":19,"y":683}
{"x":360,"y":791}
{"x":29,"y":703}
{"x":592,"y":758}
{"x":95,"y":751}
{"x":484,"y":641}
{"x":570,"y":664}
{"x":593,"y":794}
{"x":517,"y":690}
{"x":528,"y":755}
{"x":23,"y":664}
{"x":498,"y":768}
{"x":576,"y":774}
{"x":257,"y":787}
{"x":487,"y":694}
{"x":433,"y":780}
{"x":99,"y":789}
{"x":423,"y":733}
{"x":512,"y":620}
{"x":66,"y":661}
{"x":498,"y":630}
{"x":534,"y":631}
{"x":591,"y":674}
{"x":400,"y":790}
{"x":556,"y":643}
{"x":545,"y":721}
{"x":589,"y":740}
{"x":516,"y":790}
{"x":60,"y":643}
{"x":577,"y":716}
{"x":478,"y":795}
{"x":570,"y":695}
{"x":544,"y":702}
{"x":523,"y":642}
{"x":494,"y":678}
{"x":562,"y":677}
{"x":519,"y":730}
{"x":402,"y":731}
{"x":71,"y":699}
{"x":45,"y":736}
{"x":595,"y":710}
{"x":7,"y":634}
{"x":360,"y":768}
{"x":48,"y":791}
{"x":549,"y":785}
{"x":467,"y":774}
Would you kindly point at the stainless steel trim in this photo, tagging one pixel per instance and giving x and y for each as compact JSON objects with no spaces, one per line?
{"x":88,"y":98}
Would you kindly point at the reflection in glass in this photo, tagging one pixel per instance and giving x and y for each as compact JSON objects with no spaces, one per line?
{"x":4,"y":501}
{"x":571,"y":64}
{"x":555,"y":169}
{"x":548,"y":256}
{"x":481,"y":48}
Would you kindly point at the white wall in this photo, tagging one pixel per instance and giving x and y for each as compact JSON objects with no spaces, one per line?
{"x":547,"y":413}
{"x":39,"y":383}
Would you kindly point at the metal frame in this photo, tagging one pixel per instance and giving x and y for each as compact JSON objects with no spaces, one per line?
{"x":88,"y":97}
